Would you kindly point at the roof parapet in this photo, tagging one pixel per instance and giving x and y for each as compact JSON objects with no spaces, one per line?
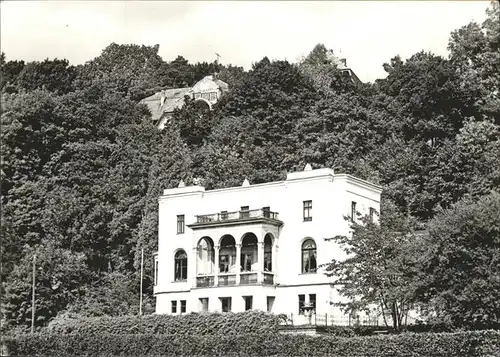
{"x":309,"y":173}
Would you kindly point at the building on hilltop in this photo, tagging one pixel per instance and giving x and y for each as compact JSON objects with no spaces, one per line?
{"x":341,"y":64}
{"x":257,"y":247}
{"x":205,"y":92}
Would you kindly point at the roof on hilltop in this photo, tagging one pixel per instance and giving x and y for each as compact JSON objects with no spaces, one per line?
{"x":167,"y":100}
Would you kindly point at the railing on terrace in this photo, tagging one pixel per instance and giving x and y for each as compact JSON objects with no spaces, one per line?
{"x":237,"y":215}
{"x":268,"y":278}
{"x":227,"y":280}
{"x":248,"y":278}
{"x":204,"y":281}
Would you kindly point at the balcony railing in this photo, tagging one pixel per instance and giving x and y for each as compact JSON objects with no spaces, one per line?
{"x":204,"y":281}
{"x":268,"y":278}
{"x":248,"y":278}
{"x":227,"y":280}
{"x":237,"y":215}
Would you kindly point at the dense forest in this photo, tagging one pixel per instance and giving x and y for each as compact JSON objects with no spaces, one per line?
{"x":83,"y":165}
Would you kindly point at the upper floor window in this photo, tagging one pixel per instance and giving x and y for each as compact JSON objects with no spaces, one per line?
{"x":180,"y":266}
{"x":309,"y":264}
{"x":353,"y":211}
{"x":245,"y":212}
{"x":307,"y":210}
{"x":180,"y":224}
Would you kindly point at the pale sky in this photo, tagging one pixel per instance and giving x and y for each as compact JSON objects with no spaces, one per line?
{"x":366,"y":33}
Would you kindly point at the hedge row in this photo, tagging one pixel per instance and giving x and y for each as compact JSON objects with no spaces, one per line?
{"x":191,"y":324}
{"x":470,"y":344}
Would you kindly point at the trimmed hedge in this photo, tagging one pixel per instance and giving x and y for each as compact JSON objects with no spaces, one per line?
{"x":191,"y":324}
{"x":470,"y":344}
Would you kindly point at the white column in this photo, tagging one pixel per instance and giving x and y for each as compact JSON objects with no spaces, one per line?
{"x":216,"y":270}
{"x":275,"y":260}
{"x":194,"y":266}
{"x":260,"y":259}
{"x":238,"y":262}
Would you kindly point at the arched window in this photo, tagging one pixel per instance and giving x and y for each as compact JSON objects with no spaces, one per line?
{"x":309,"y":256}
{"x":181,"y":266}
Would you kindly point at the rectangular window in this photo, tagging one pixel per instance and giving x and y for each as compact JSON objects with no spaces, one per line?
{"x":268,"y":261}
{"x":246,"y":262}
{"x":312,"y":301}
{"x":213,"y":96}
{"x":245,"y":212}
{"x":266,"y":212}
{"x":203,"y":304}
{"x":270,"y":303}
{"x":248,"y":302}
{"x":307,"y":211}
{"x":372,"y":214}
{"x":183,"y":306}
{"x":302,"y":301}
{"x":174,"y":306}
{"x":180,"y":224}
{"x":224,"y":263}
{"x":353,"y":211}
{"x":156,"y":270}
{"x":225,"y":304}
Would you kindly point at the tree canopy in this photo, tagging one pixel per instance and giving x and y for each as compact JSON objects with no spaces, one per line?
{"x":83,"y":165}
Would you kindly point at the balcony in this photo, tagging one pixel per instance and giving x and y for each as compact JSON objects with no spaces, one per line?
{"x":246,"y":278}
{"x":227,"y":280}
{"x":237,"y":217}
{"x":268,"y":278}
{"x":204,"y":281}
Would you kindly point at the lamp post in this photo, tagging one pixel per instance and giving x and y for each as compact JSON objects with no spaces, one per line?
{"x":33,"y":297}
{"x":140,"y":298}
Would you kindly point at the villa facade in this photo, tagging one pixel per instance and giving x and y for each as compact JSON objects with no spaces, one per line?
{"x":257,"y":247}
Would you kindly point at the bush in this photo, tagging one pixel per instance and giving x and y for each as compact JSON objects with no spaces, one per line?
{"x":191,"y":324}
{"x":471,"y":344}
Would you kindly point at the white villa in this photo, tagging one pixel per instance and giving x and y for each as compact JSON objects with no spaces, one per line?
{"x":256,"y":247}
{"x":205,"y":92}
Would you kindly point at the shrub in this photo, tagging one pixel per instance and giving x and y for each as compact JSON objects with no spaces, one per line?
{"x":191,"y":324}
{"x":471,"y":344}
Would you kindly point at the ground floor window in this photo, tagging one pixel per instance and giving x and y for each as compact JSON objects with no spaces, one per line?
{"x":270,"y":303}
{"x":312,"y":301}
{"x":174,"y":307}
{"x":225,"y":304}
{"x":248,"y":302}
{"x":204,"y":304}
{"x":302,"y":301}
{"x":183,"y":306}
